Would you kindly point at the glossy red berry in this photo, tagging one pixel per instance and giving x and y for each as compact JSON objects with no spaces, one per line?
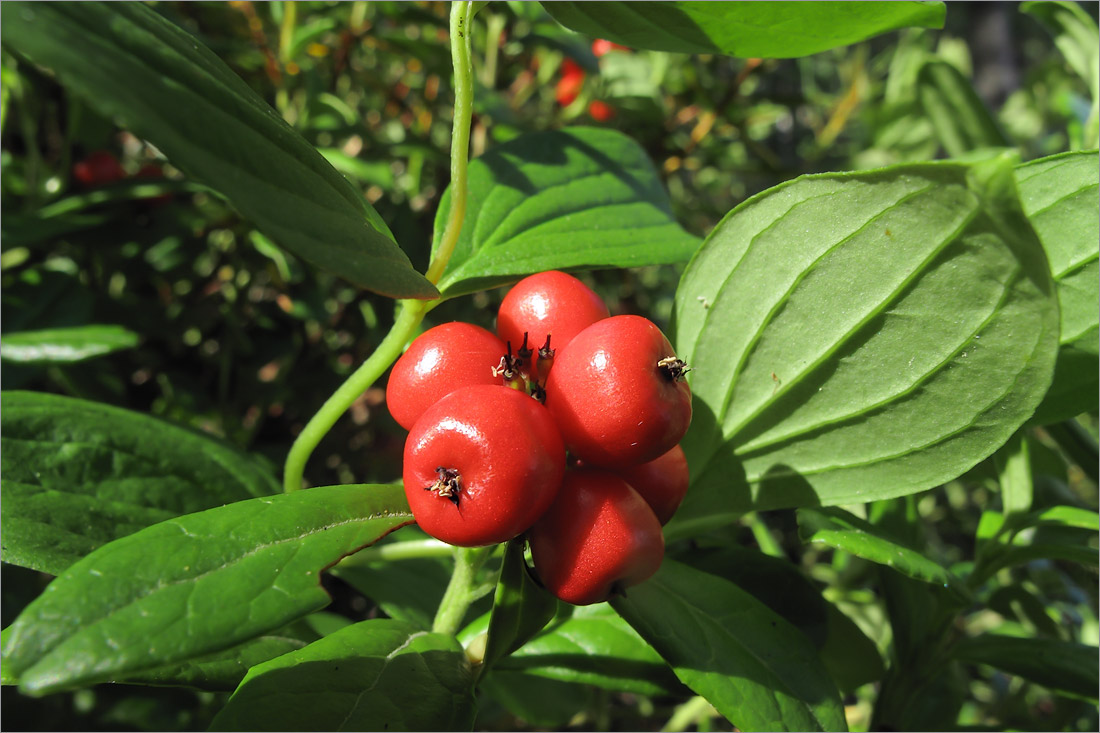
{"x":98,"y":169}
{"x":597,"y":538}
{"x":662,"y":482}
{"x":546,"y":304}
{"x":439,"y":361}
{"x":569,"y":86}
{"x":481,"y":465}
{"x":617,"y":393}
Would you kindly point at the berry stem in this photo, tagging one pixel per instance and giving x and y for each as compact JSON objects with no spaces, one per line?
{"x":460,"y":591}
{"x":409,"y":550}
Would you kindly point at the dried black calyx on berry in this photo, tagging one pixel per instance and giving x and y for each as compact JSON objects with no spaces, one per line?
{"x":545,"y":352}
{"x":447,"y":485}
{"x":524,"y":352}
{"x":509,"y":366}
{"x":538,"y":392}
{"x":674,"y":369}
{"x":546,"y":358}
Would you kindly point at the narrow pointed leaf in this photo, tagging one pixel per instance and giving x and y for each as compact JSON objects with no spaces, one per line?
{"x":578,"y":198}
{"x":1059,"y":665}
{"x":520,"y":607}
{"x":771,"y":30}
{"x":746,"y":660}
{"x":161,"y":84}
{"x":194,"y":585}
{"x":1061,"y":197}
{"x":959,"y":117}
{"x":375,"y":675}
{"x":78,"y":474}
{"x":65,"y":345}
{"x":859,"y":336}
{"x":842,"y":530}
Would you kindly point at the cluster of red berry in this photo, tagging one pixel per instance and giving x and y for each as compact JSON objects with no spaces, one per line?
{"x":492,"y":416}
{"x":572,"y":81}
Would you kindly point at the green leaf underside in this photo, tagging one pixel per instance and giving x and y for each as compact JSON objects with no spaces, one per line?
{"x":1061,"y":198}
{"x":520,"y":607}
{"x":63,"y":345}
{"x":578,"y":198}
{"x":375,"y":675}
{"x":593,"y":646}
{"x":859,"y":336}
{"x":78,"y":474}
{"x":1059,"y":665}
{"x":161,"y":84}
{"x":757,"y":670}
{"x":767,"y":30}
{"x":194,"y":585}
{"x":842,"y":530}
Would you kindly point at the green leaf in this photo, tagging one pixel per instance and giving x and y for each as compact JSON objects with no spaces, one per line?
{"x":746,"y":660}
{"x":841,"y":530}
{"x":1059,"y":665}
{"x":375,"y":675}
{"x":521,"y":608}
{"x":769,"y":30}
{"x":1013,"y":462}
{"x":1061,"y":197}
{"x":857,"y":336}
{"x":387,"y":584}
{"x":79,"y":474}
{"x":160,"y":83}
{"x":194,"y":585}
{"x":591,"y":645}
{"x":568,"y":199}
{"x":1065,"y":516}
{"x":959,"y":117}
{"x":65,"y":345}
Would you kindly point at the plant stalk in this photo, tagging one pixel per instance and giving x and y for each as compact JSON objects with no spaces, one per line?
{"x":460,"y":590}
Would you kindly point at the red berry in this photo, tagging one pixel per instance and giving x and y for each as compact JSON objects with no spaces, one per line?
{"x":601,"y":46}
{"x":481,"y":465}
{"x":662,"y":482}
{"x":550,"y":304}
{"x":617,"y":393}
{"x":98,"y":169}
{"x":569,"y":86}
{"x":600,"y":111}
{"x":597,"y":538}
{"x":439,"y":361}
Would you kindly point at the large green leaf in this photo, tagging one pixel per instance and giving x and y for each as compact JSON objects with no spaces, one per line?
{"x":194,"y":585}
{"x":568,"y":199}
{"x":375,"y":675}
{"x":591,"y":645}
{"x":131,"y":64}
{"x":1061,"y":197}
{"x":841,"y":530}
{"x":857,"y":336}
{"x":751,"y":664}
{"x":1059,"y":665}
{"x":770,"y":30}
{"x":65,"y":344}
{"x":77,"y":474}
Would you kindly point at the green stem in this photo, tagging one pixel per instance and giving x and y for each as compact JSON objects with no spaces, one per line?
{"x":461,"y":13}
{"x":411,"y":312}
{"x":408,"y":319}
{"x":763,"y":535}
{"x":688,"y":714}
{"x":460,"y":591}
{"x":411,"y":550}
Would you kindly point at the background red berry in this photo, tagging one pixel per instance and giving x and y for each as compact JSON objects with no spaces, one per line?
{"x":615,"y":405}
{"x":507,"y":460}
{"x":439,"y":361}
{"x":99,"y":168}
{"x":662,"y":482}
{"x":598,"y":537}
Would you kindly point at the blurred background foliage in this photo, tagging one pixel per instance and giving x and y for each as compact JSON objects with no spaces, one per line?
{"x":240,"y":339}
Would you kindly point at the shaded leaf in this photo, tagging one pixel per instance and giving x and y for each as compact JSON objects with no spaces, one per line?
{"x":1013,"y":462}
{"x":63,"y":345}
{"x":79,"y":474}
{"x":521,"y":608}
{"x":1059,"y":665}
{"x":220,"y":671}
{"x":162,"y":85}
{"x":375,"y":675}
{"x":568,"y":199}
{"x":857,"y":336}
{"x":959,"y":117}
{"x":194,"y":585}
{"x":771,"y":30}
{"x":746,"y":660}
